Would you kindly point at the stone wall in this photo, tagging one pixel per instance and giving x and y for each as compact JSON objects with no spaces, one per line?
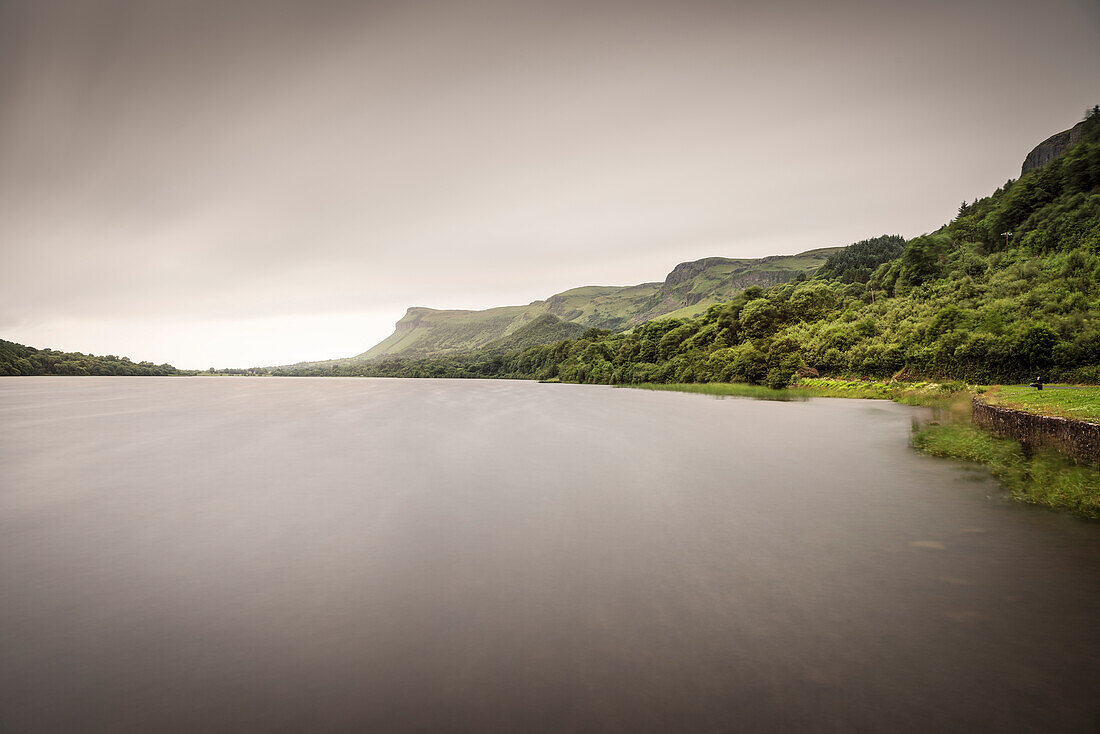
{"x":1077,"y":439}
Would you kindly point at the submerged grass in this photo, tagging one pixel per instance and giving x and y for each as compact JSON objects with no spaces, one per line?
{"x":1040,"y":478}
{"x":727,"y":389}
{"x":934,"y":394}
{"x":910,"y":393}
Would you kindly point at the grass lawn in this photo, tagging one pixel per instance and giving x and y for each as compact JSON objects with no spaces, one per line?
{"x":1080,"y":403}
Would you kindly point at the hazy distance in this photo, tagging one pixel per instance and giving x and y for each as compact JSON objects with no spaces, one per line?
{"x":256,"y":183}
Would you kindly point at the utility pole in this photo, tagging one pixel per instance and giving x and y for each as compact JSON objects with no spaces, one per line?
{"x":1007,"y":235}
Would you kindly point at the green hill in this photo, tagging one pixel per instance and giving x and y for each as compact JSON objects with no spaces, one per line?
{"x":1007,"y":290}
{"x":426,"y":331}
{"x":544,"y":329}
{"x":688,"y":290}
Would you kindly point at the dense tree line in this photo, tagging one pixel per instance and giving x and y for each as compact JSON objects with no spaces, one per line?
{"x":16,"y":359}
{"x":855,"y":263}
{"x":1008,"y":290}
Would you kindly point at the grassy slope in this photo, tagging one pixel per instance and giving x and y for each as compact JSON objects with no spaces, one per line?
{"x":425,"y":331}
{"x":605,"y":307}
{"x":545,"y":329}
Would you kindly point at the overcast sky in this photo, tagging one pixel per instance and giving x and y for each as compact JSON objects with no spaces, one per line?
{"x":236,"y":183}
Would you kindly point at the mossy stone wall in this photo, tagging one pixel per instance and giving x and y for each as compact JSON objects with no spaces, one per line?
{"x":1077,"y":439}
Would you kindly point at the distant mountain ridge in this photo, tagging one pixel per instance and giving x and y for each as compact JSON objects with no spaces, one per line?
{"x":686,"y":291}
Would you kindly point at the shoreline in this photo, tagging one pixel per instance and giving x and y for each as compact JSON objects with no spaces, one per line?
{"x":1037,"y":475}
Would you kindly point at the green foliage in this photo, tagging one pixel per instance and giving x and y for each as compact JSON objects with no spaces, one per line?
{"x":16,"y":359}
{"x":759,"y":317}
{"x":856,"y":262}
{"x":923,"y":259}
{"x":813,"y":301}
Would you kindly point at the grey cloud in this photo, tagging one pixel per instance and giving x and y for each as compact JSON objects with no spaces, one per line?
{"x":252,"y":158}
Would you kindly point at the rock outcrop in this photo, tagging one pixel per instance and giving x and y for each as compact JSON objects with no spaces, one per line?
{"x":1052,"y":147}
{"x":687,"y":271}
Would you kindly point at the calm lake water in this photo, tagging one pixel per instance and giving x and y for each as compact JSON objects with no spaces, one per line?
{"x":330,"y":555}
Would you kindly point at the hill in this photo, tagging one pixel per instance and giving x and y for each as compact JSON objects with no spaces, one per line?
{"x":544,"y":329}
{"x":1007,"y":290}
{"x":688,"y":290}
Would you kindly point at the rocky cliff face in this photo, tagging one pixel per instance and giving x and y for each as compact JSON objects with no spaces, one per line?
{"x":413,"y":318}
{"x":762,"y":278}
{"x":686,"y":271}
{"x":731,"y":275}
{"x":1052,"y":147}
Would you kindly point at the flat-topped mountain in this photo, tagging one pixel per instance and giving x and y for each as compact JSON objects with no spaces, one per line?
{"x":687,"y":291}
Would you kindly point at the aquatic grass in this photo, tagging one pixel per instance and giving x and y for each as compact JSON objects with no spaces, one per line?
{"x":964,"y":441}
{"x":910,"y":393}
{"x":727,"y":389}
{"x":1038,"y":478}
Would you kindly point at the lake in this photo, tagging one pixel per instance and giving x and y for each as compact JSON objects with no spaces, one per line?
{"x":331,"y":555}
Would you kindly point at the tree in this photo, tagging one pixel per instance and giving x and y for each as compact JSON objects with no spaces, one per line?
{"x":1034,"y":347}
